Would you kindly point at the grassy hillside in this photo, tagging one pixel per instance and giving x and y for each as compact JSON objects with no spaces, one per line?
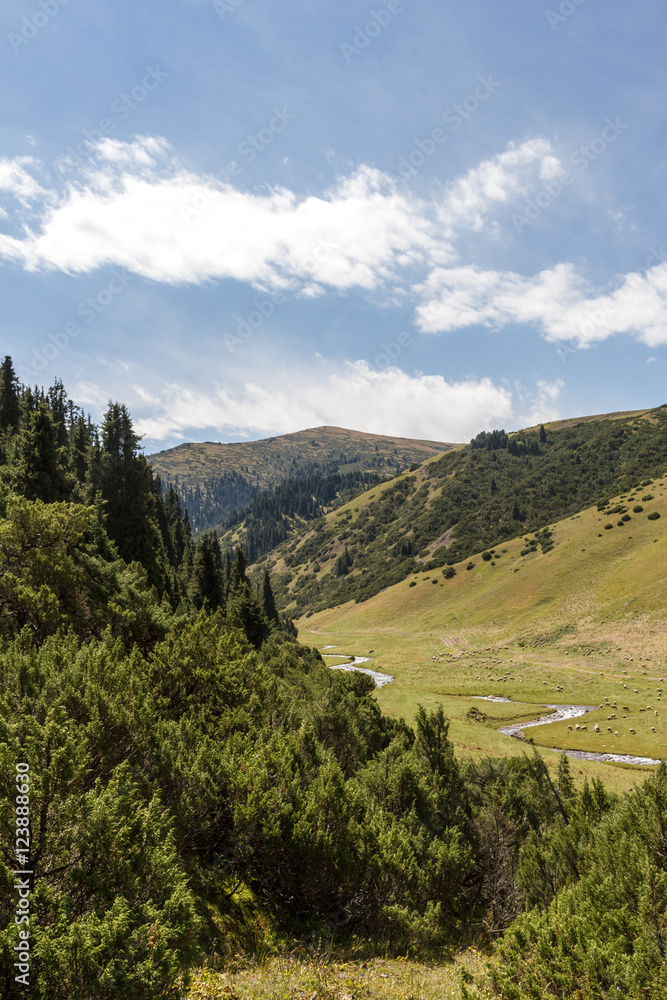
{"x":583,"y":623}
{"x":214,"y":478}
{"x":471,"y":498}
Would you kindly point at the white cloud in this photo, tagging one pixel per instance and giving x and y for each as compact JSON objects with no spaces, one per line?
{"x":390,"y":402}
{"x":468,"y":200}
{"x":133,"y":205}
{"x":17,"y":181}
{"x":558,"y":301}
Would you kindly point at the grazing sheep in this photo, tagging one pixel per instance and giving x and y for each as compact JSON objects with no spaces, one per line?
{"x":625,"y":708}
{"x":609,"y":729}
{"x":577,"y":726}
{"x":570,"y":728}
{"x":596,"y":728}
{"x":652,"y":729}
{"x":610,"y":717}
{"x":633,"y":732}
{"x":617,"y":734}
{"x":642,"y":709}
{"x":584,"y":727}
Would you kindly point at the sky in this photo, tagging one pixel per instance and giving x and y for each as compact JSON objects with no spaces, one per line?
{"x":418,"y":218}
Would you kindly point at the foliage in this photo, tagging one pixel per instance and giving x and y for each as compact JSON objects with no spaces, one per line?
{"x":470,"y":500}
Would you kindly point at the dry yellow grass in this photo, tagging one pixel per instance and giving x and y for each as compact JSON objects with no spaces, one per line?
{"x":316,"y":979}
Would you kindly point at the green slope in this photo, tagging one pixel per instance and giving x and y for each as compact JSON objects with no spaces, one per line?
{"x":214,"y":478}
{"x":581,"y":623}
{"x":466,"y":500}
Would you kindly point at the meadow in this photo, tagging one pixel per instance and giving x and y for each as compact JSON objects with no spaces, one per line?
{"x":582,"y":623}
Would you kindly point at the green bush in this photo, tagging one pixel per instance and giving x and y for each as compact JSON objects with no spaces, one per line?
{"x":637,"y":509}
{"x":654,"y":516}
{"x":608,"y":526}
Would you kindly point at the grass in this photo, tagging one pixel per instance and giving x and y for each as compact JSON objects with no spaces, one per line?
{"x":320,"y":979}
{"x":272,"y":460}
{"x":580,"y":624}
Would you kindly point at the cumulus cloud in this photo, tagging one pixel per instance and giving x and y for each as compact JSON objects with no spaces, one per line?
{"x":496,"y":181}
{"x":16,"y":179}
{"x":134,"y":205}
{"x":390,"y":401}
{"x":558,"y":300}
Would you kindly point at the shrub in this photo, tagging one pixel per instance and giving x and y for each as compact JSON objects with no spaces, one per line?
{"x":637,"y":509}
{"x":626,"y":517}
{"x":449,"y":572}
{"x":620,"y":524}
{"x":486,"y":556}
{"x":608,"y":526}
{"x":654,"y":516}
{"x":470,"y":565}
{"x":649,"y":496}
{"x":413,"y":583}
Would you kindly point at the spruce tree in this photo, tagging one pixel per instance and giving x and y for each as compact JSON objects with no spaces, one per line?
{"x":126,"y":483}
{"x":40,"y":472}
{"x":208,"y":589}
{"x":270,"y":609}
{"x":10,"y":406}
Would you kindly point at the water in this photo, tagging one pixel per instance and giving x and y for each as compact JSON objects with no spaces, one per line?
{"x":559,"y":713}
{"x":380,"y":679}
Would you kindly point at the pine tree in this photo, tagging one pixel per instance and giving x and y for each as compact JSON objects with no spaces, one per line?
{"x":10,"y":407}
{"x":270,"y":609}
{"x":126,"y":483}
{"x":208,"y":589}
{"x":40,"y":471}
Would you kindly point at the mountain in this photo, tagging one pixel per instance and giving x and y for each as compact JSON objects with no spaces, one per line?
{"x":213,"y":479}
{"x":466,"y":500}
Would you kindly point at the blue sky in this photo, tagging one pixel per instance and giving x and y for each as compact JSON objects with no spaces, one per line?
{"x":243,"y":218}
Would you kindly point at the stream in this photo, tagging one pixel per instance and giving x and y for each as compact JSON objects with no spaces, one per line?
{"x":380,"y":679}
{"x":558,"y":713}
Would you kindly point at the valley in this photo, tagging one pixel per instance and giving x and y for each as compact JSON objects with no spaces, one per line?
{"x":583,"y":623}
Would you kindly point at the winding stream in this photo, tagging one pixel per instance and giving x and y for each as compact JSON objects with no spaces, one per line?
{"x":380,"y":679}
{"x":516,"y":729}
{"x":559,"y":713}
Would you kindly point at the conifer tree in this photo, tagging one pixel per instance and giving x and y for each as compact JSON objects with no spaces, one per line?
{"x":270,"y":609}
{"x":126,"y":483}
{"x":10,"y":407}
{"x":208,"y":590}
{"x":40,"y":471}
